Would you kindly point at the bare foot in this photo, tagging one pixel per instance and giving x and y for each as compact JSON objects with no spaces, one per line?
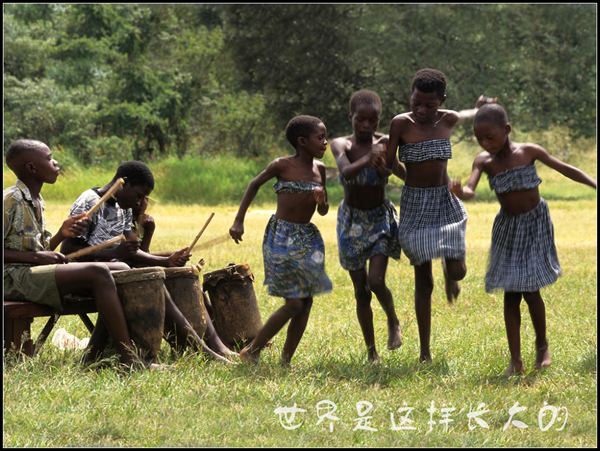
{"x":374,"y":356}
{"x":542,"y":358}
{"x":514,"y":368}
{"x":247,"y":357}
{"x":394,"y":337}
{"x":425,"y":358}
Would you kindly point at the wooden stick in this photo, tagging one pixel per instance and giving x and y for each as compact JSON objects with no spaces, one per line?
{"x":116,"y":186}
{"x":87,"y":250}
{"x":189,"y":251}
{"x":215,"y":241}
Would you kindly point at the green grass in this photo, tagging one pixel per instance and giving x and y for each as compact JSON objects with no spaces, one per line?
{"x":51,"y":401}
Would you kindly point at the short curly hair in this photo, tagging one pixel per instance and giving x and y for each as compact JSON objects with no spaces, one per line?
{"x":493,"y":113}
{"x":136,"y":172}
{"x":364,"y":96}
{"x":19,"y":147}
{"x":302,"y":125}
{"x":430,"y":80}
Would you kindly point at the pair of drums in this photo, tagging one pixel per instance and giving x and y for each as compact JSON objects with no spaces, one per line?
{"x":142,"y":295}
{"x":236,"y":315}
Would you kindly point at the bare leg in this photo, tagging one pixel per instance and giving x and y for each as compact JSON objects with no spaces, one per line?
{"x":251,"y":353}
{"x":537,"y":310}
{"x":98,"y":342}
{"x":178,"y":326}
{"x":295,"y":331}
{"x":78,"y":277}
{"x":377,"y":270}
{"x":212,"y":337}
{"x":512,"y":320}
{"x":423,"y":291}
{"x":362,"y":293}
{"x":454,"y":270}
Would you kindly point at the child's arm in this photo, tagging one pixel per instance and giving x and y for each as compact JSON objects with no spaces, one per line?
{"x":320,"y":193}
{"x":34,"y":257}
{"x":123,"y":251}
{"x":273,"y":169}
{"x":398,"y":169}
{"x":539,"y":153}
{"x":149,"y":226}
{"x":465,"y":115}
{"x":339,"y":146}
{"x":73,"y":226}
{"x":468,"y":191}
{"x":394,"y":142}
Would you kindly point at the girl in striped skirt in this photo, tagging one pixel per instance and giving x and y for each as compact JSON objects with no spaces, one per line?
{"x":523,"y":255}
{"x":433,"y":222}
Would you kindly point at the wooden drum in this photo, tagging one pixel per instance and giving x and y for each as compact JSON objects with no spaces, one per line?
{"x":236,"y":315}
{"x":183,"y":284}
{"x":142,"y":294}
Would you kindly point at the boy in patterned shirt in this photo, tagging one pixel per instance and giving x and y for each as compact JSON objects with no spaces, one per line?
{"x":33,"y":271}
{"x":114,"y":218}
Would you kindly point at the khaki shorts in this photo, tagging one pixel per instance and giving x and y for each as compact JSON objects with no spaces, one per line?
{"x":33,"y":283}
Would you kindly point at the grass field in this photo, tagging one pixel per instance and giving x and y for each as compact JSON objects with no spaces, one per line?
{"x":51,"y":401}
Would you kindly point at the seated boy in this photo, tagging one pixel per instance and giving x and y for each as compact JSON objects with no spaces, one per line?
{"x":32,"y":270}
{"x":114,"y":218}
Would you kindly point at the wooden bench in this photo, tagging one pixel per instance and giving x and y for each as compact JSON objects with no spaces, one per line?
{"x":18,"y":316}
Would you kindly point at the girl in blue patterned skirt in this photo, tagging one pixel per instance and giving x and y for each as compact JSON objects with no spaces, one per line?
{"x":293,"y":250}
{"x":523,"y":255}
{"x":367,"y":222}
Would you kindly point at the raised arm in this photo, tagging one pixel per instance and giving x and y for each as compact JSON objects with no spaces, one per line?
{"x":237,"y":229}
{"x":469,"y":114}
{"x":539,"y":153}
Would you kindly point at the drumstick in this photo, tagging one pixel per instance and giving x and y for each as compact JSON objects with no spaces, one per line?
{"x":189,"y":251}
{"x":214,"y":241}
{"x":116,"y":186}
{"x":87,"y":250}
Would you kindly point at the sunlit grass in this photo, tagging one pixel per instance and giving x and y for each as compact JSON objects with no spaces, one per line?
{"x":50,"y":401}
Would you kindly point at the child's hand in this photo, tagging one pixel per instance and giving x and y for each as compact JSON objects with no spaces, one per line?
{"x":179,"y":258}
{"x":377,"y":160}
{"x":74,"y":226}
{"x":127,"y":249}
{"x":319,"y":195}
{"x":482,"y":100}
{"x":50,"y":258}
{"x":148,"y":223}
{"x":236,"y":231}
{"x":456,"y":187}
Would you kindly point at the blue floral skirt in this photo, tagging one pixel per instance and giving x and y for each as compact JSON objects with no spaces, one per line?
{"x":294,"y":260}
{"x":362,"y":234}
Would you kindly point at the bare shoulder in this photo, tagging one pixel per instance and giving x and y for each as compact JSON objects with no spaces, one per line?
{"x":341,"y":144}
{"x":401,"y":121}
{"x":482,"y":160}
{"x":449,"y":116}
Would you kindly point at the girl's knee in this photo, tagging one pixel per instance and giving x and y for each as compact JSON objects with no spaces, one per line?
{"x":377,"y":284}
{"x":295,"y":306}
{"x":456,"y":269}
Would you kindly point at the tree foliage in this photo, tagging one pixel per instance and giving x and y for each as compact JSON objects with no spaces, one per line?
{"x":122,"y":81}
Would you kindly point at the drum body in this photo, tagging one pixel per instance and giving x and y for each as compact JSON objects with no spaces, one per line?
{"x":183,"y":284}
{"x":142,"y":294}
{"x":236,"y":315}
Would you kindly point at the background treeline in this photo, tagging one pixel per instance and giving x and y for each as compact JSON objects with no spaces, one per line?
{"x":104,"y":83}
